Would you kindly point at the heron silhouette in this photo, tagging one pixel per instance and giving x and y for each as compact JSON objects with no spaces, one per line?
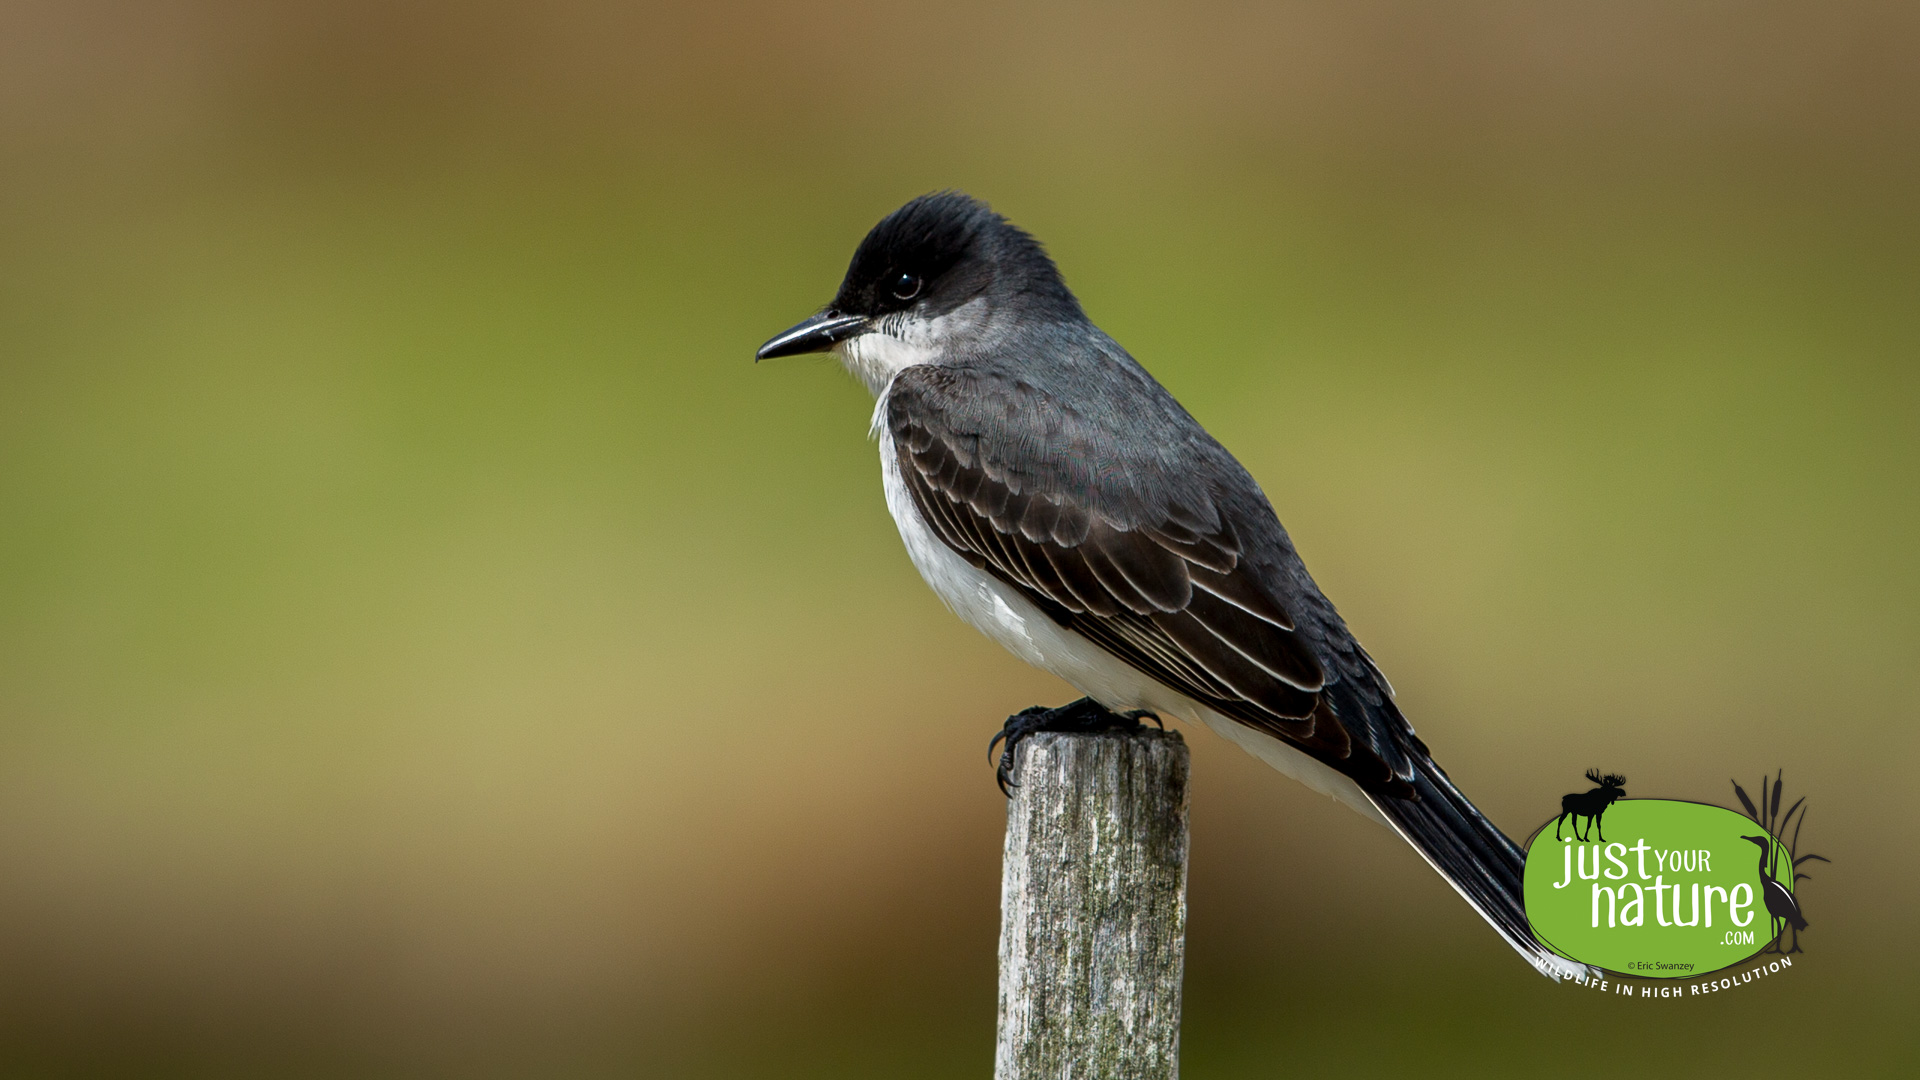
{"x":1785,"y":911}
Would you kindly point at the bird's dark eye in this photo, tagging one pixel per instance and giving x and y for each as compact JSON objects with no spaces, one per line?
{"x":906,"y":286}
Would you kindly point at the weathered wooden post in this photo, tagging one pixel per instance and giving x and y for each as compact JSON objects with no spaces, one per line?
{"x":1093,"y":908}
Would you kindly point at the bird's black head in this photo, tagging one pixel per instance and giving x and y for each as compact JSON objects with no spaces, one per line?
{"x":1765,"y":842}
{"x":940,"y":251}
{"x":926,"y":259}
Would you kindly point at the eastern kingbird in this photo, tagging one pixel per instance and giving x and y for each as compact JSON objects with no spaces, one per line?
{"x":1064,"y":504}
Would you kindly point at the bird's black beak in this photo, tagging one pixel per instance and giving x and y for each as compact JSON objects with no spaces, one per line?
{"x":818,"y":334}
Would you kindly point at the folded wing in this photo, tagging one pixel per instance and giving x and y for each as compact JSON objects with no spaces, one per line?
{"x":1165,"y":584}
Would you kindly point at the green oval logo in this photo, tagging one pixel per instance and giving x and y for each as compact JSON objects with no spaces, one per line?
{"x":1676,"y":889}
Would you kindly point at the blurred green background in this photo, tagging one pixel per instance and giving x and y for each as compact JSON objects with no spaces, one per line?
{"x":430,"y":647}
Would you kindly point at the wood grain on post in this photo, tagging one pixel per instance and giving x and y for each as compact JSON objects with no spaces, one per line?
{"x":1093,"y":908}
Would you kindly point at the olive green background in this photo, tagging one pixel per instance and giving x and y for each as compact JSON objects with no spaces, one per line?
{"x":430,"y":647}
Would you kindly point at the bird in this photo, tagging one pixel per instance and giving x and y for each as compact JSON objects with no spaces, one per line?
{"x":1781,"y":906}
{"x":1061,"y":501}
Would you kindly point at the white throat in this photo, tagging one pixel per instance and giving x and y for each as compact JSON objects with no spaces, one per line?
{"x":904,"y":340}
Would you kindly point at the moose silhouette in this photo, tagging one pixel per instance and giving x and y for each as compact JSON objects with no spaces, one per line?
{"x":1591,"y":804}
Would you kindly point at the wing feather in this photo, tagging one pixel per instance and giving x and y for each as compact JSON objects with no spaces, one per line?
{"x":1259,"y":640}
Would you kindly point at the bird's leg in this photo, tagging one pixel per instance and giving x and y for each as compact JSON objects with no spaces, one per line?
{"x":1085,"y":715}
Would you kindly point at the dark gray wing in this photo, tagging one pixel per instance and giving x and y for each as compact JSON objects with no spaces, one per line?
{"x":1118,"y":516}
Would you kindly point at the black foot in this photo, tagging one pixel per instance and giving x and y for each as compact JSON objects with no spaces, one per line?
{"x":1085,"y":715}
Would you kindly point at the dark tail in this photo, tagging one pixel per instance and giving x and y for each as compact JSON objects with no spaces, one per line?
{"x":1476,"y":858}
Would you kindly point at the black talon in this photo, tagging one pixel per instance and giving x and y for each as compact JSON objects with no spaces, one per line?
{"x":1084,"y":715}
